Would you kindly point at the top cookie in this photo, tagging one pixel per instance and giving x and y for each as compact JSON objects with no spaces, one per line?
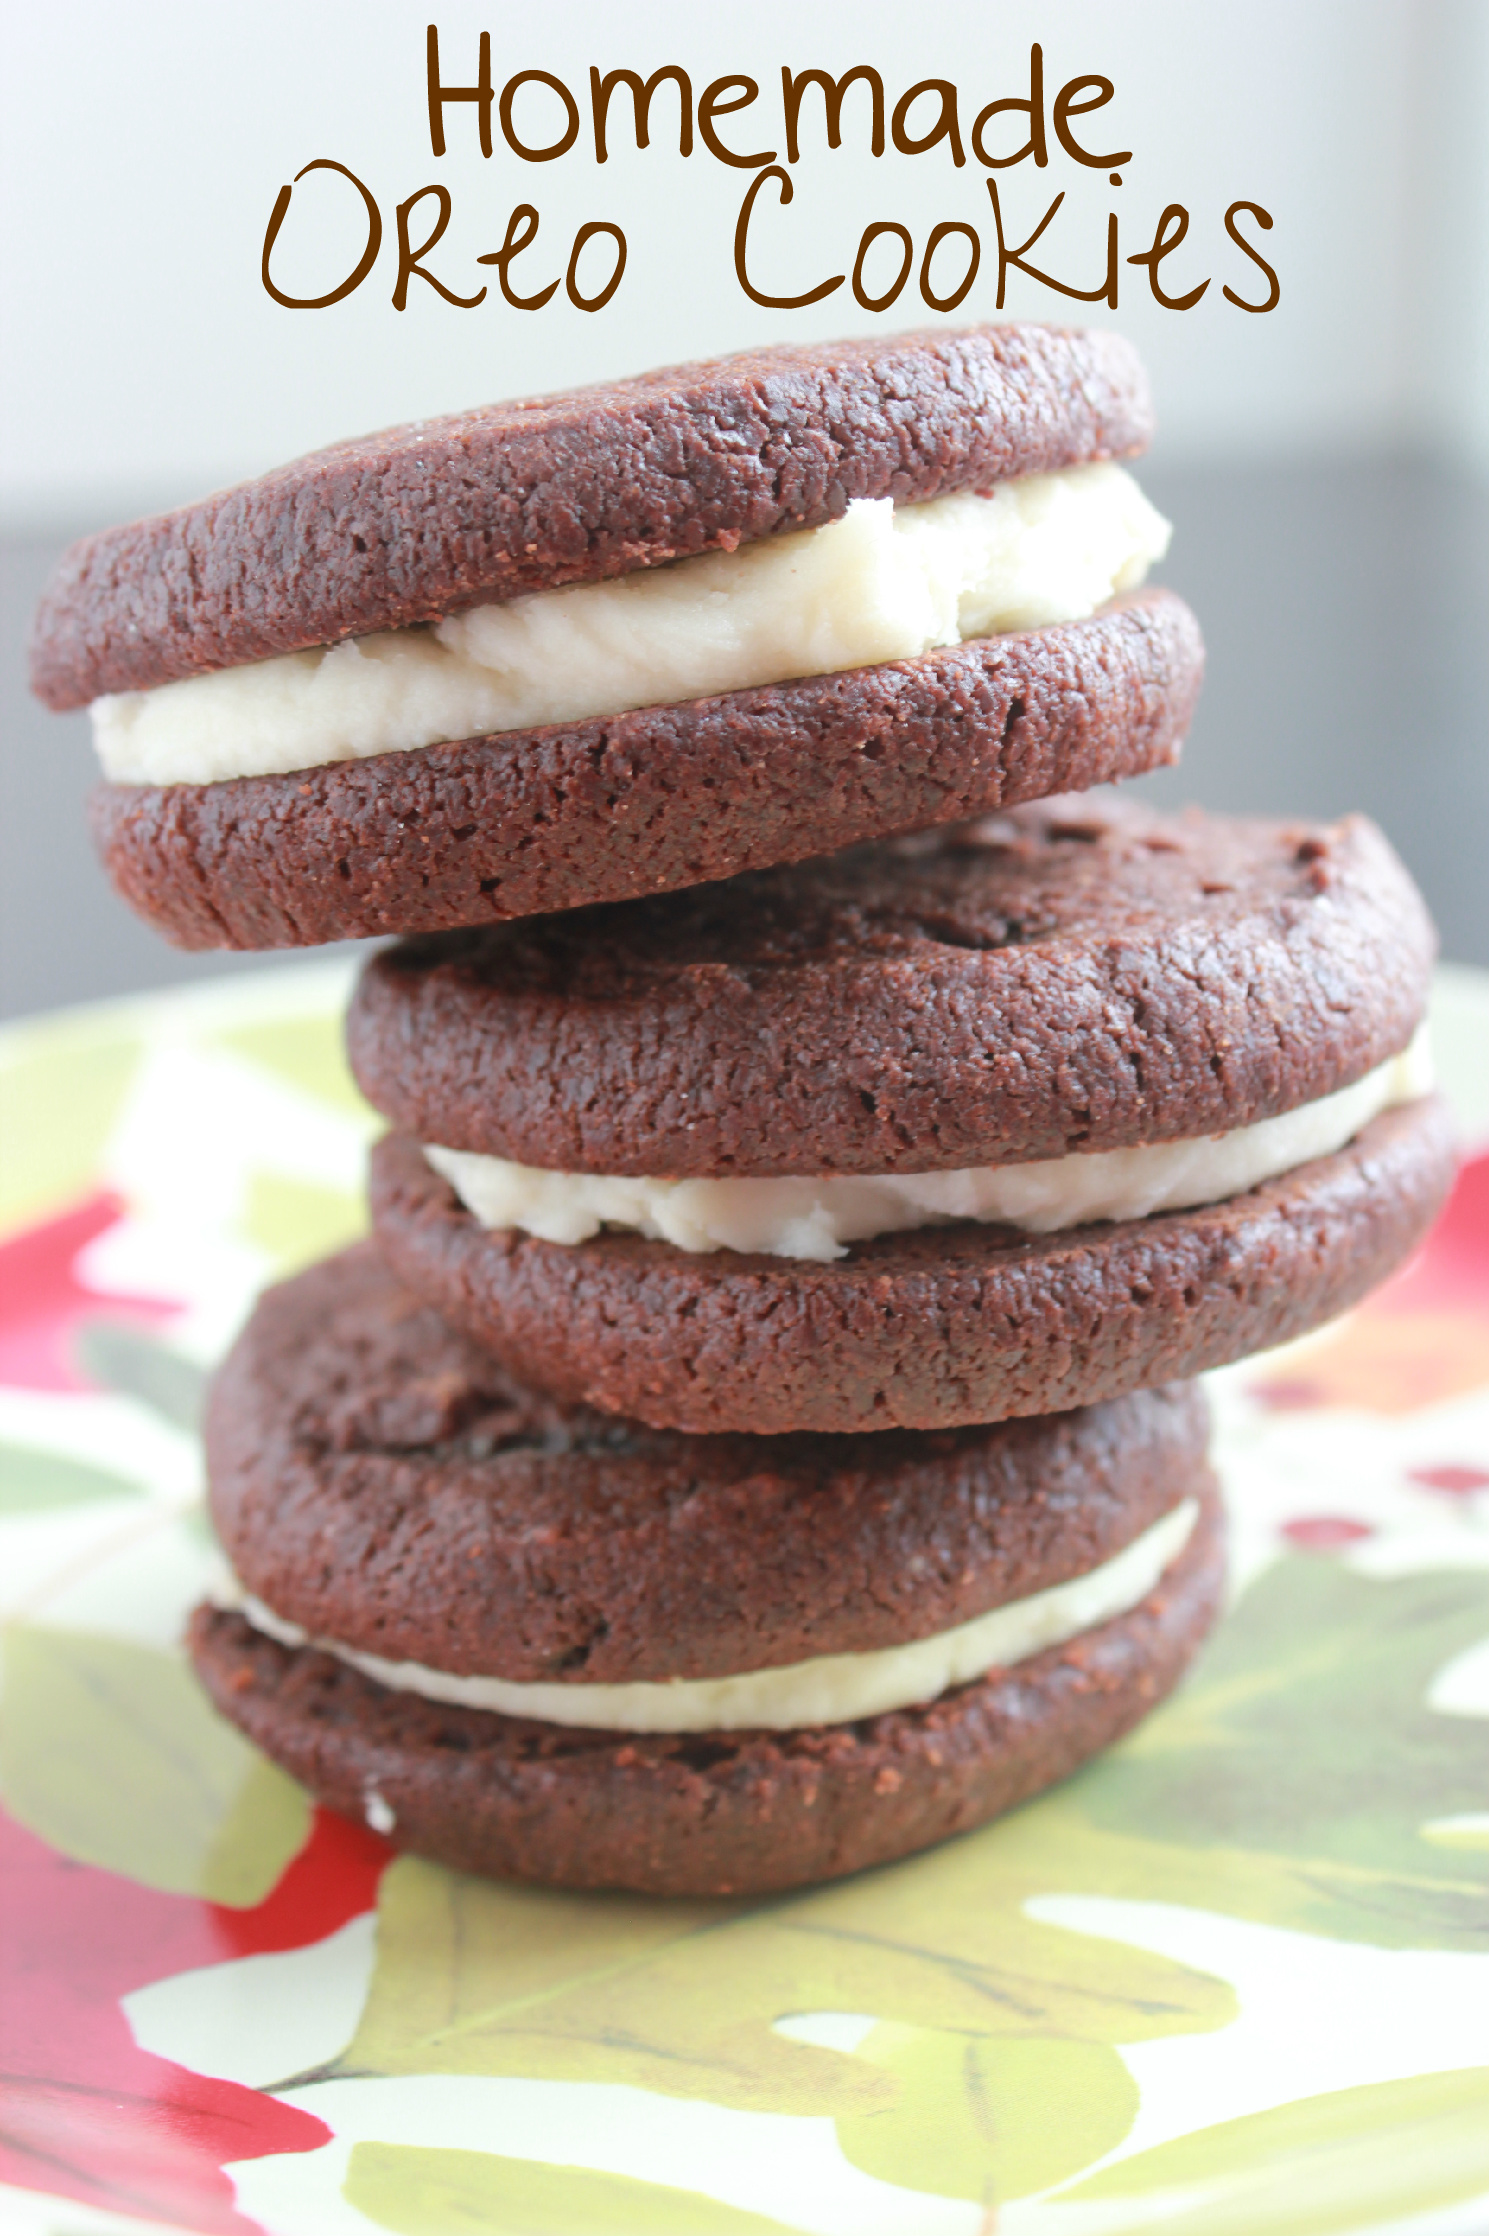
{"x":1082,"y":975}
{"x":399,"y":528}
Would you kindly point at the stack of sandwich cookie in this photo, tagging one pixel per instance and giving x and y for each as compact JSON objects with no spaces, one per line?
{"x":759,"y":1439}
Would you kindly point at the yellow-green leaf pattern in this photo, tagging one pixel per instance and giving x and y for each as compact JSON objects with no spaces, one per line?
{"x":1291,"y":1780}
{"x":110,"y":1752}
{"x":475,"y":2193}
{"x":988,"y":2119}
{"x":61,"y":1088}
{"x":684,"y":1998}
{"x":297,"y":1221}
{"x":305,"y":1050}
{"x":1316,"y":2167}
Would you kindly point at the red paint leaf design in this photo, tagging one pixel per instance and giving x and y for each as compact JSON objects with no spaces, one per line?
{"x":84,"y":2112}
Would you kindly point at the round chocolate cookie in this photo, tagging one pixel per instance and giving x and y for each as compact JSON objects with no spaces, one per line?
{"x":720,"y":1812}
{"x":1075,"y":976}
{"x":926,"y":1329}
{"x":622,"y":805}
{"x":402,"y":527}
{"x":378,"y":1480}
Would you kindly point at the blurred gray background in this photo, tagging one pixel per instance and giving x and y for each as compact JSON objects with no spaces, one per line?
{"x":1326,"y":466}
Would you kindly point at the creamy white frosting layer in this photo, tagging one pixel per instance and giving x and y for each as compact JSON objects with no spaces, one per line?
{"x":818,"y":1217}
{"x":879,"y":584}
{"x":832,"y":1689}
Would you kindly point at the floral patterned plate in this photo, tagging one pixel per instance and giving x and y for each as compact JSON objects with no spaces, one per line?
{"x":1231,"y":1980}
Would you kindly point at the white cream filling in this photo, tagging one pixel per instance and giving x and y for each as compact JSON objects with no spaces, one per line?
{"x":832,"y":1689}
{"x":818,"y":1217}
{"x":879,"y":584}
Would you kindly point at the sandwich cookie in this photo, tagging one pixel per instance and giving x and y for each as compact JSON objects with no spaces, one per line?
{"x":536,"y":1641}
{"x":998,"y":1121}
{"x":628,"y":638}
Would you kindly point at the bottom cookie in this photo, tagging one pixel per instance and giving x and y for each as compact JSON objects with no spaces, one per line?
{"x":721,"y":1812}
{"x":930,"y":1328}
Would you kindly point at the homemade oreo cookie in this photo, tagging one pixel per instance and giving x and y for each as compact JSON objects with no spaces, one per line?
{"x":995,"y":1122}
{"x":540,"y":1642}
{"x":626,"y":639}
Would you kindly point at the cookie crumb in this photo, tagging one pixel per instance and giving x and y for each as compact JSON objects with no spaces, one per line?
{"x":377,"y":1811}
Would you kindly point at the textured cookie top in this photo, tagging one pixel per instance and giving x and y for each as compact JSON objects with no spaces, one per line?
{"x":380,"y":1480}
{"x":401,"y":527}
{"x":1072,"y":976}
